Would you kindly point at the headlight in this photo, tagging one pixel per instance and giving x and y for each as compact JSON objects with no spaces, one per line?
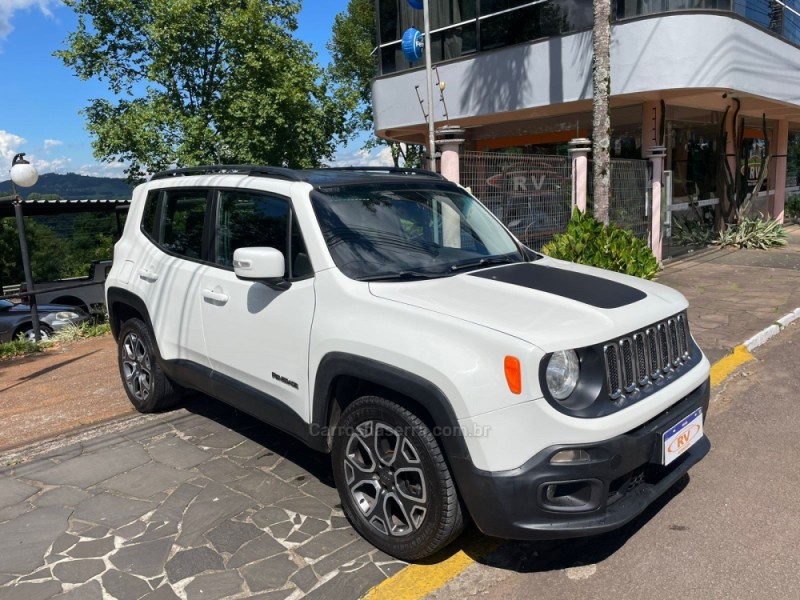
{"x":562,"y":373}
{"x":66,"y":315}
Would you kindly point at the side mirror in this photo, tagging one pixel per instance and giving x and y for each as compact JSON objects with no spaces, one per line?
{"x":266,"y":265}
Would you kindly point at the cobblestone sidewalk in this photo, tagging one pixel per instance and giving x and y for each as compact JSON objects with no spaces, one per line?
{"x":199,"y":503}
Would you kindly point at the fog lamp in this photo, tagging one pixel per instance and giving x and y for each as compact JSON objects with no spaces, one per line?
{"x":571,"y":455}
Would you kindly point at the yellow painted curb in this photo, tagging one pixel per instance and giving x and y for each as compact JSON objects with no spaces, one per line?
{"x":724,"y":367}
{"x":418,"y":580}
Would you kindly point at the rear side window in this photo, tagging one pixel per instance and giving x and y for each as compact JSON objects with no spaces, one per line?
{"x":182,"y":221}
{"x":149,"y":214}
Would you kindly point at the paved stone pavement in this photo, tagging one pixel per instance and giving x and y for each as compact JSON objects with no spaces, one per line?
{"x":198,"y":503}
{"x":734,"y":294}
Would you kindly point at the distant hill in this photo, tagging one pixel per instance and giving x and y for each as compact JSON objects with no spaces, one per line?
{"x":74,"y":187}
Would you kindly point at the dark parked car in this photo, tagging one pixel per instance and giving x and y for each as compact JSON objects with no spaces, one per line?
{"x":15,"y":319}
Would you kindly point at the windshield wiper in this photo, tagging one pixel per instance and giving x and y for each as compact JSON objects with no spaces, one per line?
{"x":483,"y":262}
{"x":397,"y":276}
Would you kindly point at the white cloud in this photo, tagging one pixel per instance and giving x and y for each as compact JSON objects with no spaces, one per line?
{"x":115,"y":169}
{"x":9,"y":7}
{"x":58,"y":165}
{"x":9,"y":146}
{"x":52,"y":144}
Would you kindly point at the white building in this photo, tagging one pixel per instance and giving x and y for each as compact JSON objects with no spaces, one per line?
{"x":518,"y":79}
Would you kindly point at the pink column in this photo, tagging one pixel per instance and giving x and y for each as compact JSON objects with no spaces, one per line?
{"x":656,"y":156}
{"x":779,"y":172}
{"x":449,"y":139}
{"x":450,"y":166}
{"x":579,"y":149}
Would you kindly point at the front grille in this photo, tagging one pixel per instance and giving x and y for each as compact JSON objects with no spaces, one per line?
{"x":637,"y":360}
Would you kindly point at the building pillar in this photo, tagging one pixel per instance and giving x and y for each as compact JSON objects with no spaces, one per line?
{"x":779,"y":172}
{"x":579,"y":149}
{"x":449,"y":140}
{"x":656,"y":157}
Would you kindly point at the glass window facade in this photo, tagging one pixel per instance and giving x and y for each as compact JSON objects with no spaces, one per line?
{"x":793,"y":160}
{"x":463,"y":27}
{"x":693,"y":153}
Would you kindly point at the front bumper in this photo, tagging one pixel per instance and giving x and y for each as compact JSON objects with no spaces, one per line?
{"x":622,"y":478}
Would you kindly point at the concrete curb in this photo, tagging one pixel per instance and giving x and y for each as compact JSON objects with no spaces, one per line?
{"x":769,"y":332}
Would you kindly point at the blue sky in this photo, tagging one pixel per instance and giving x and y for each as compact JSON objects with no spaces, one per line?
{"x":40,"y":98}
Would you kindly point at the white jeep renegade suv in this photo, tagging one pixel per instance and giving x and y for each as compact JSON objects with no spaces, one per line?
{"x":388,"y":318}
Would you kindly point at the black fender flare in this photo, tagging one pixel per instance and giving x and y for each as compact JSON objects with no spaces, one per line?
{"x":115,"y":296}
{"x":418,"y":389}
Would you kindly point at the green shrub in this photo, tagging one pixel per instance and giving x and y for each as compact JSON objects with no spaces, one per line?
{"x":84,"y":330}
{"x":589,"y":242}
{"x":793,"y":206}
{"x":692,"y":232}
{"x":21,"y":347}
{"x":753,"y":233}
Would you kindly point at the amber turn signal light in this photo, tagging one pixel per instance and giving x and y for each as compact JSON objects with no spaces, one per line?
{"x":513,"y":374}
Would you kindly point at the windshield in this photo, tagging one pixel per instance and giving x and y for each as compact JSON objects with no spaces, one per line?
{"x":409,"y":231}
{"x":4,"y":304}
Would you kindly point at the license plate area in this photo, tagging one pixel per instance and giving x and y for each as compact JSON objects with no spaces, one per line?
{"x":681,"y":436}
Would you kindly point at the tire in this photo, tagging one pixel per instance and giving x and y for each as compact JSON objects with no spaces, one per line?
{"x":26,"y":331}
{"x":145,"y":383}
{"x":403,"y":501}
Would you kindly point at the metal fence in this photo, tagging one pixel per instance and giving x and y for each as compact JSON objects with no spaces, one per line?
{"x":531,"y":194}
{"x":629,"y":203}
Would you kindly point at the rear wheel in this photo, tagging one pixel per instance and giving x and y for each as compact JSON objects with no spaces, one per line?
{"x":145,"y":383}
{"x":395,"y":485}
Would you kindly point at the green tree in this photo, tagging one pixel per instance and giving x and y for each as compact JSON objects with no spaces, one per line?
{"x":352,"y":69}
{"x":202,"y":81}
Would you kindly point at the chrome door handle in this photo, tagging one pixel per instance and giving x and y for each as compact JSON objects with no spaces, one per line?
{"x":218,"y":297}
{"x":148,"y":275}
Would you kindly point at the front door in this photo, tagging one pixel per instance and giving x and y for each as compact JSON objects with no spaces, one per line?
{"x":257,"y":335}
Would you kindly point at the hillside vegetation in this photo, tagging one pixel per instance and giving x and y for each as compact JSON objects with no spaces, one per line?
{"x":72,"y":186}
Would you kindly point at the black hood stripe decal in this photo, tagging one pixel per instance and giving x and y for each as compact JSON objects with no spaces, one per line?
{"x":591,"y":290}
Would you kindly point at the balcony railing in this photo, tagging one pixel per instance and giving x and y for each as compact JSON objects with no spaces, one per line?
{"x":465,"y":27}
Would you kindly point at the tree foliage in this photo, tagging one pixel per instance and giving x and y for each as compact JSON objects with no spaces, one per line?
{"x":59,"y":247}
{"x":352,"y":70}
{"x":202,"y":81}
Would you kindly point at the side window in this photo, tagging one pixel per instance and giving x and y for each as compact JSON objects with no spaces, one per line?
{"x":182,"y":217}
{"x":149,"y":214}
{"x":247,"y":219}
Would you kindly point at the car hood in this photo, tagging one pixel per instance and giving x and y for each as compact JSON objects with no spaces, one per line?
{"x":550,"y":303}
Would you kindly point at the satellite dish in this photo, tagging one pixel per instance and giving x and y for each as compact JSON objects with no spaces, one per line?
{"x":413,"y":44}
{"x":415,"y":3}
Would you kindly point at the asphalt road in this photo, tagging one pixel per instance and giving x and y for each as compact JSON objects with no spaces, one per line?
{"x":729,"y":530}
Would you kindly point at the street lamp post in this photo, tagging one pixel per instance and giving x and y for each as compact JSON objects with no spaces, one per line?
{"x":24,"y":174}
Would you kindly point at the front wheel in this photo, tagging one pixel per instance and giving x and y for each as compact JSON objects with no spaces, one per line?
{"x":395,"y":485}
{"x":145,"y":383}
{"x":29,"y":335}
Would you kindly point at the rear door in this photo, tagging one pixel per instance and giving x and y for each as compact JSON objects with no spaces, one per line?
{"x":167,"y":275}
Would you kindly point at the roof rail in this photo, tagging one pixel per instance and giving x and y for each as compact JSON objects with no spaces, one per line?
{"x":399,"y":170}
{"x":278,"y":172}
